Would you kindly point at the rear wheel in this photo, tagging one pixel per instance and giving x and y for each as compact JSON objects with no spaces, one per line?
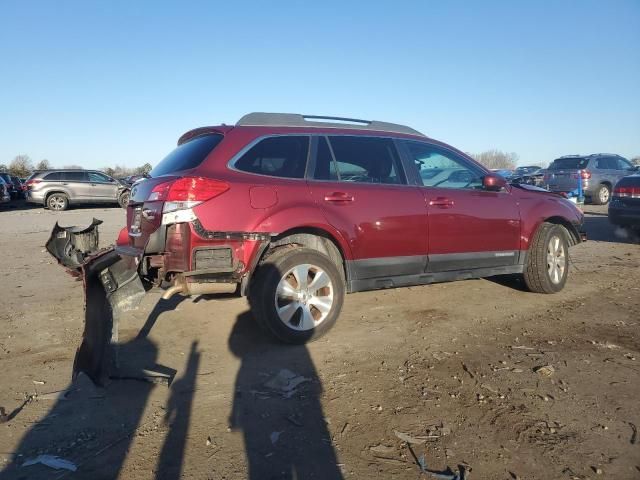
{"x":57,"y":202}
{"x":297,"y":294}
{"x":601,"y":195}
{"x":547,"y":265}
{"x":123,"y":200}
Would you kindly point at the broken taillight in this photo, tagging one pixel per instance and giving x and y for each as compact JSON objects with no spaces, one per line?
{"x":186,"y":192}
{"x":626,"y":192}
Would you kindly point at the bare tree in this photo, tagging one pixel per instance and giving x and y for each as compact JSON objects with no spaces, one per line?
{"x":3,"y":167}
{"x":43,"y":165}
{"x":21,"y":166}
{"x":495,"y":159}
{"x":636,"y":160}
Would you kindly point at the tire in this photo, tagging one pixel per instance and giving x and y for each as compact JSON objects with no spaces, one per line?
{"x":290,"y":313}
{"x":123,"y":199}
{"x":547,"y":266}
{"x":602,"y":195}
{"x":57,"y":202}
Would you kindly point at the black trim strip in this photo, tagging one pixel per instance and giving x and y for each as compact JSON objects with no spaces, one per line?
{"x":214,"y":235}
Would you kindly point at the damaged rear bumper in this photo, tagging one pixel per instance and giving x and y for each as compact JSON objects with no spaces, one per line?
{"x":112,"y":287}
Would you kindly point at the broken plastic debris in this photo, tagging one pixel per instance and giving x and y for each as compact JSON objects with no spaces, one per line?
{"x":418,"y":439}
{"x":51,"y":461}
{"x":545,"y":370}
{"x":286,"y":382}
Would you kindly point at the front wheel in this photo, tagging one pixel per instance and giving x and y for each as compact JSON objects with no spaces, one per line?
{"x":547,"y":266}
{"x":123,"y":200}
{"x":297,"y":294}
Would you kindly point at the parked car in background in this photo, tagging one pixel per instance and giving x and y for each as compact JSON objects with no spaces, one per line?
{"x":131,"y":179}
{"x":5,"y":196}
{"x":624,"y":209}
{"x":598,"y":173}
{"x":13,"y":193}
{"x":18,"y":188}
{"x":503,"y":172}
{"x":528,"y":175}
{"x":296,"y":211}
{"x":57,"y":189}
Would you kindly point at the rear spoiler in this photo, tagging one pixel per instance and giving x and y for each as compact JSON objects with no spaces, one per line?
{"x":196,"y":132}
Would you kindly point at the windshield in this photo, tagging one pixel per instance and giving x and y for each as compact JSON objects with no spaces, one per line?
{"x":572,"y":163}
{"x":188,"y":155}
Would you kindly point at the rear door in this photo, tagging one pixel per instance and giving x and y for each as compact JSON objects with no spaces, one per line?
{"x":469,"y":227}
{"x":103,"y":187}
{"x":361,"y":187}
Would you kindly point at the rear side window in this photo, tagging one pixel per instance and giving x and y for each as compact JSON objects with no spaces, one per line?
{"x":75,"y":176}
{"x":53,"y":176}
{"x":188,"y":155}
{"x":283,"y":156}
{"x":98,"y":177}
{"x":360,"y":159}
{"x":573,"y":163}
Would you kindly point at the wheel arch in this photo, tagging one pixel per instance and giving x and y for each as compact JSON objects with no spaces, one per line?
{"x":56,"y":190}
{"x":312,"y":237}
{"x":574,"y":234}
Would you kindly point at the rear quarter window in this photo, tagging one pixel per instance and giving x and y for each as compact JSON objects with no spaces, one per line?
{"x":188,"y":155}
{"x":282,"y":156}
{"x":53,"y":176}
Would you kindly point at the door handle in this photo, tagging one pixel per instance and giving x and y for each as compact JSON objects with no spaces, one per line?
{"x":441,"y":202}
{"x":338,"y":197}
{"x":65,"y":183}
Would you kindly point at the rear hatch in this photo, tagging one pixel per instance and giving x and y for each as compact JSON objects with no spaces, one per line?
{"x":171,"y":187}
{"x":563,"y":173}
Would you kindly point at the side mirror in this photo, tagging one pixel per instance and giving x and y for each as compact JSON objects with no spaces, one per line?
{"x":493,"y":182}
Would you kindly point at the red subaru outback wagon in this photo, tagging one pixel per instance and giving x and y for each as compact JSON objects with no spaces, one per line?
{"x":295,"y":211}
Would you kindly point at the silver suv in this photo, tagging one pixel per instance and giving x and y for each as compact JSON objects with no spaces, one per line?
{"x":598,"y":173}
{"x":57,"y":189}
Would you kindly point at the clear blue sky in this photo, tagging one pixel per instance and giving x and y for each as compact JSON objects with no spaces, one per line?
{"x":100,"y":83}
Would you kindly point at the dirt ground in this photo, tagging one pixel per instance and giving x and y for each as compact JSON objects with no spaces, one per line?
{"x":443,"y":374}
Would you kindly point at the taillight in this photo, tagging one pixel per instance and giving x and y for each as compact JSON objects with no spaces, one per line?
{"x":627,"y":192}
{"x":32,"y":182}
{"x":583,"y":174}
{"x":186,"y":192}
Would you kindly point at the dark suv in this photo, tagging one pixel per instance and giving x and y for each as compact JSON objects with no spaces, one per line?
{"x":295,"y":211}
{"x":57,"y":189}
{"x":598,"y":174}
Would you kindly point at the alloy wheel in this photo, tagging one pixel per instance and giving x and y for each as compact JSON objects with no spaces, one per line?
{"x":556,"y":259}
{"x":304,"y":297}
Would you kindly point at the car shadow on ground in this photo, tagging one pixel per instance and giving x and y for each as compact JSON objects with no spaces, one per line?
{"x":599,"y":229}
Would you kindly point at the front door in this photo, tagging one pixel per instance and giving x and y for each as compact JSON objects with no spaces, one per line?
{"x":362,"y":190}
{"x":103,"y":188}
{"x":469,"y":227}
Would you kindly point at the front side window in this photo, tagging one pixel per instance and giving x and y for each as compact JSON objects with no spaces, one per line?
{"x":282,"y":156}
{"x":358,"y":159}
{"x":443,"y":169}
{"x":98,"y":177}
{"x":624,"y":164}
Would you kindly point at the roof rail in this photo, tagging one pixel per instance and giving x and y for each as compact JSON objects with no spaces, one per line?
{"x":262,"y":119}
